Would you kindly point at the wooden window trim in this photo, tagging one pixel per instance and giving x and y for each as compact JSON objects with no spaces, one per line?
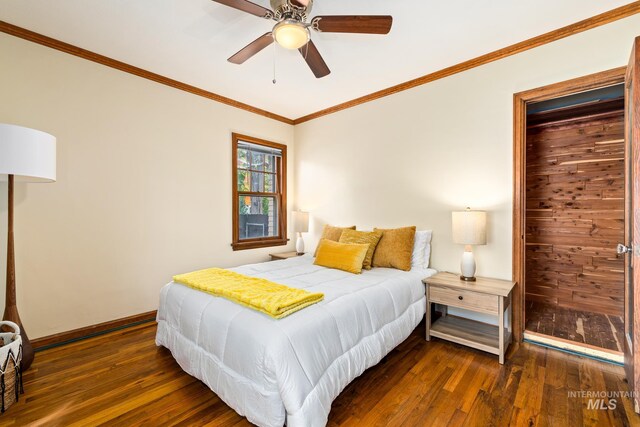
{"x":281,"y":197}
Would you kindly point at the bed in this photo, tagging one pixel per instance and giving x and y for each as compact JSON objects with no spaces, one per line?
{"x":290,"y":370}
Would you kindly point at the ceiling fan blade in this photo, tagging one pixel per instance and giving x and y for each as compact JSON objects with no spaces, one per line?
{"x":314,"y":60}
{"x":364,"y":24}
{"x":300,"y":3}
{"x":247,"y":6}
{"x":252,"y":48}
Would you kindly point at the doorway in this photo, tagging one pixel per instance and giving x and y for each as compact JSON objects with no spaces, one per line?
{"x":569,"y":206}
{"x":574,"y":279}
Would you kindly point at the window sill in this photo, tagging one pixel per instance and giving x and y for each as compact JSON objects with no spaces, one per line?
{"x":255,"y":244}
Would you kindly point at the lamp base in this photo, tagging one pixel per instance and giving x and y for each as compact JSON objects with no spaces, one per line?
{"x":300,"y":245}
{"x":10,"y":307}
{"x":468,"y":266}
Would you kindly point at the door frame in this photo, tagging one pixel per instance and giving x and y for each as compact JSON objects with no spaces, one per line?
{"x":632,"y":226}
{"x":520,"y":100}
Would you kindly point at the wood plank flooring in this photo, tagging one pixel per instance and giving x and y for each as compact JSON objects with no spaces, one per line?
{"x":123,"y":379}
{"x":600,"y":330}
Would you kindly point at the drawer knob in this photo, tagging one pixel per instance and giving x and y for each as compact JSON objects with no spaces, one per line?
{"x":460,"y":298}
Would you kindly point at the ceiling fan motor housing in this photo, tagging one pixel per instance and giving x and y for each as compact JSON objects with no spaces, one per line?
{"x":292,"y":9}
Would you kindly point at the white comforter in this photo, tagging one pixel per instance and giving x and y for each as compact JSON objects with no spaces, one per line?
{"x":271,"y":370}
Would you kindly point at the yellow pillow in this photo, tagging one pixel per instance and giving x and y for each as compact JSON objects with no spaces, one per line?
{"x":330,"y":232}
{"x":343,"y":256}
{"x":371,"y":238}
{"x":395,"y":248}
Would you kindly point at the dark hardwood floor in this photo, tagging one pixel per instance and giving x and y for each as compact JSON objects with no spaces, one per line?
{"x":123,"y":379}
{"x":583,"y":327}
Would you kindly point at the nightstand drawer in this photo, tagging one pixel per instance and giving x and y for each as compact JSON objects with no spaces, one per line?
{"x":464,"y":299}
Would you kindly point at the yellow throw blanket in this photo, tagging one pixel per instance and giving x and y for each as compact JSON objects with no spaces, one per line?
{"x":271,"y":298}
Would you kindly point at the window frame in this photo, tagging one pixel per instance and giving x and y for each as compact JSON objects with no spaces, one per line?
{"x":281,"y":196}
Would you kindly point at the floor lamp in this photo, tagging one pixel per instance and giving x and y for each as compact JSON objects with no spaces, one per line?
{"x":26,"y":155}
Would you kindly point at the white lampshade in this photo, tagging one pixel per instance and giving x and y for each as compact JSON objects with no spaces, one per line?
{"x":469,"y":227}
{"x":300,"y":221}
{"x":28,"y":154}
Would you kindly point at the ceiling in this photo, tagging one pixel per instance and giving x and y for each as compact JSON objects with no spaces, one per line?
{"x":190,"y":41}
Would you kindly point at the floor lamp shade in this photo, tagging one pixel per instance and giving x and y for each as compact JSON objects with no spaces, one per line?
{"x":26,"y":155}
{"x":469,"y":228}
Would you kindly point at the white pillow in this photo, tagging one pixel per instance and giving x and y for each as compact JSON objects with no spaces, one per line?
{"x":427,"y":254}
{"x":421,"y":249}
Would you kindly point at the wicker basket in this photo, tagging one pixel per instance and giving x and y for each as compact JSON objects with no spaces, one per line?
{"x":10,"y":358}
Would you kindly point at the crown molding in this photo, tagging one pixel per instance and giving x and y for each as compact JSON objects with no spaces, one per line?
{"x":584,"y":25}
{"x":578,"y":27}
{"x":52,"y":43}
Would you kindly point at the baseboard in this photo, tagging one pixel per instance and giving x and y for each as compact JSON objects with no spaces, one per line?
{"x":61,"y":338}
{"x":572,"y":347}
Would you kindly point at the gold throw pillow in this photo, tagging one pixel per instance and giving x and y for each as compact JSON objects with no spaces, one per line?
{"x":343,"y":256}
{"x":330,"y":232}
{"x":371,"y":238}
{"x":395,"y":248}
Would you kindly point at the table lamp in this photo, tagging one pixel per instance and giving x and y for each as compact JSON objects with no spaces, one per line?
{"x":26,"y":155}
{"x":300,"y":225}
{"x":469,"y":228}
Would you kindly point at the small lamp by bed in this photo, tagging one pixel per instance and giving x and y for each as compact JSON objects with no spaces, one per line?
{"x":469,"y":228}
{"x":300,"y":225}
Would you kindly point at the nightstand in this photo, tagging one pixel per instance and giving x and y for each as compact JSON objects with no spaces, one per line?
{"x":487,"y":296}
{"x":283,"y":255}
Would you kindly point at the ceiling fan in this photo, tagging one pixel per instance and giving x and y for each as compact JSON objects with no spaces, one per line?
{"x":292,"y":29}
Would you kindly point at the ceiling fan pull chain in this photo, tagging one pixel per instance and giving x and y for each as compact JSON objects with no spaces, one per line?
{"x":275,"y":54}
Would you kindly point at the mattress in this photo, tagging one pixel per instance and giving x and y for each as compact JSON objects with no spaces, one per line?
{"x":290,"y":370}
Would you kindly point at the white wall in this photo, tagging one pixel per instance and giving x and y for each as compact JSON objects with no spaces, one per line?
{"x":413,"y":157}
{"x":143,"y":189}
{"x":144,"y":171}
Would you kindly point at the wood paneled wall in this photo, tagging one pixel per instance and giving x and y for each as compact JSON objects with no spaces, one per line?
{"x":575,"y":212}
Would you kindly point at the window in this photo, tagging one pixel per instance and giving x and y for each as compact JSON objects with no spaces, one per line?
{"x":259,"y":193}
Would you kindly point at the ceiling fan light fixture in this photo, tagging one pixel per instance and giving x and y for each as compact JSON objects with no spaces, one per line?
{"x":291,"y":34}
